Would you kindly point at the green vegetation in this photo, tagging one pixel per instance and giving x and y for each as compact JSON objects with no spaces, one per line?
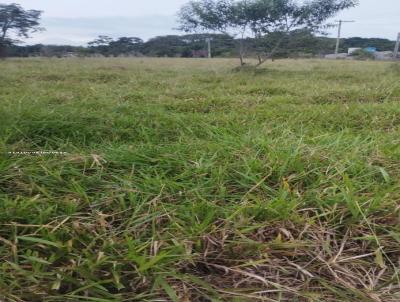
{"x":294,"y":44}
{"x":260,"y":19}
{"x":16,"y":22}
{"x":188,"y":181}
{"x":362,"y":54}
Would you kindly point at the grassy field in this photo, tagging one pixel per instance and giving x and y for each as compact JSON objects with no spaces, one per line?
{"x":186,"y":180}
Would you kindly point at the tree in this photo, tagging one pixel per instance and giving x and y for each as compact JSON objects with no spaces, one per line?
{"x":101,"y":41}
{"x":165,"y":46}
{"x":107,"y":46}
{"x":100,"y":45}
{"x":125,"y":45}
{"x":213,"y":15}
{"x":16,"y":21}
{"x":259,"y":18}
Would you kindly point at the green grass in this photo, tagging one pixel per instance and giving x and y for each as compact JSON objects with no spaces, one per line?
{"x":188,"y":181}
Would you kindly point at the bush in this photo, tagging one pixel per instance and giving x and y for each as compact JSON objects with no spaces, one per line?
{"x":362,"y":54}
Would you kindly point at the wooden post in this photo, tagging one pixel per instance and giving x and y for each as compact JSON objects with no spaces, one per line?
{"x":396,"y":49}
{"x":339,"y":35}
{"x":338,"y":38}
{"x":208,"y":40}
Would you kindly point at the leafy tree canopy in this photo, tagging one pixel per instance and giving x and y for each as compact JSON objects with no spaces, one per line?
{"x":108,"y":46}
{"x":101,"y":41}
{"x":14,"y":20}
{"x":258,"y":17}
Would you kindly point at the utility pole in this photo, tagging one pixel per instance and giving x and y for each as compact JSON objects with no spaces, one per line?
{"x":339,"y":34}
{"x":396,"y":49}
{"x":208,"y":40}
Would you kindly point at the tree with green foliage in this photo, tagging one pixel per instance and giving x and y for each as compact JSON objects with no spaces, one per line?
{"x":125,"y":45}
{"x":107,"y":46}
{"x":100,"y":45}
{"x":101,"y":41}
{"x":165,"y":46}
{"x":18,"y":22}
{"x":259,"y":18}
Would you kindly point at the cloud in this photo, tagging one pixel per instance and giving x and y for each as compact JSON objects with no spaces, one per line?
{"x":79,"y":31}
{"x":372,"y":20}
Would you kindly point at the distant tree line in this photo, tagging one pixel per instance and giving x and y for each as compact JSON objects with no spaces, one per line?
{"x":295,"y":44}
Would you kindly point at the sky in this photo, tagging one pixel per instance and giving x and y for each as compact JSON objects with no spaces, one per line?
{"x":77,"y":22}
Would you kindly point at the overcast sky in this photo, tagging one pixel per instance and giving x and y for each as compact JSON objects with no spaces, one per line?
{"x":79,"y":21}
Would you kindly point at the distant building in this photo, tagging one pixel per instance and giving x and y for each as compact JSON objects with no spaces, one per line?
{"x":353,"y":50}
{"x":370,"y":49}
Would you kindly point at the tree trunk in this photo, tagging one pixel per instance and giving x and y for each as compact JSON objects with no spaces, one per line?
{"x":271,"y":54}
{"x":3,"y":50}
{"x":241,"y":53}
{"x":241,"y":59}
